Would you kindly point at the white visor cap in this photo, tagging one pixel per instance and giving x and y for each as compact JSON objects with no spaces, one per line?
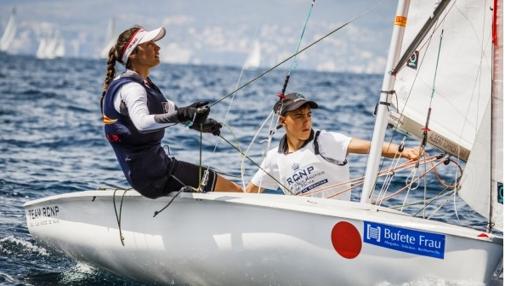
{"x":140,"y":37}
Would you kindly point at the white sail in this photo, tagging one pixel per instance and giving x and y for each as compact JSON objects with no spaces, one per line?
{"x":476,"y":180}
{"x":51,"y":47}
{"x":110,"y":39}
{"x":9,"y":32}
{"x":59,"y":50}
{"x":42,"y":49}
{"x":456,"y":61}
{"x":254,"y":58}
{"x":479,"y":175}
{"x":461,"y":79}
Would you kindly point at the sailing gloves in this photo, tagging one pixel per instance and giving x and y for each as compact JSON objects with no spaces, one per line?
{"x":196,"y":111}
{"x":195,"y":116}
{"x":209,"y":126}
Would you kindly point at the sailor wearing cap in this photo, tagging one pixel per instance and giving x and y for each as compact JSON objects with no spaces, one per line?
{"x":312,"y":161}
{"x":135,"y":115}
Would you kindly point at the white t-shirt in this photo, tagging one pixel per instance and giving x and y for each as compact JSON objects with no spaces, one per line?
{"x":303,"y":171}
{"x":134,"y":96}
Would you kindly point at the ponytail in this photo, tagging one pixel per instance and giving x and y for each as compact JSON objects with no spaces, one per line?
{"x":111,"y":68}
{"x":114,"y":55}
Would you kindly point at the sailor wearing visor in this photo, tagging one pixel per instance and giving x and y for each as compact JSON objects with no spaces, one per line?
{"x":136,"y":113}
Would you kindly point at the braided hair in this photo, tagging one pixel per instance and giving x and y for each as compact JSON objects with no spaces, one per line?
{"x":115,"y":55}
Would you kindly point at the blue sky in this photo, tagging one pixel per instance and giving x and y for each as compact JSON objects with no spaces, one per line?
{"x":216,"y":32}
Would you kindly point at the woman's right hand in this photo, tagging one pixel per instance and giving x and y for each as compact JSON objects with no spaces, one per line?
{"x":197,"y":111}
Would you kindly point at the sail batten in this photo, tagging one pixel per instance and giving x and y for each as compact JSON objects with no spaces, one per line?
{"x":414,"y":129}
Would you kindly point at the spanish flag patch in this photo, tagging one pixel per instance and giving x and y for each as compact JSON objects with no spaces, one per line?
{"x":107,"y":120}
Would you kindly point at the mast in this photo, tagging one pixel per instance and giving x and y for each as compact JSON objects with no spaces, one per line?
{"x":385,"y":99}
{"x":496,"y":195}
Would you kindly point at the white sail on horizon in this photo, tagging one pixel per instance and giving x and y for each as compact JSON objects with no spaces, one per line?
{"x":9,"y":32}
{"x":110,"y":39}
{"x":254,"y":58}
{"x":51,"y":47}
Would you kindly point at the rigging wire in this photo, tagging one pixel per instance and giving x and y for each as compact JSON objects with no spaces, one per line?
{"x":297,"y":53}
{"x":256,"y":164}
{"x":424,"y":45}
{"x":242,"y":165}
{"x":226,"y":117}
{"x":275,"y":125}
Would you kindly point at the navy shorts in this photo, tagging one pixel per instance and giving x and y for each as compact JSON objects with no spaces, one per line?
{"x":179,"y":174}
{"x":187,"y":174}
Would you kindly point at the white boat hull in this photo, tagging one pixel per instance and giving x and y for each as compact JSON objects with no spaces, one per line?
{"x":251,"y":239}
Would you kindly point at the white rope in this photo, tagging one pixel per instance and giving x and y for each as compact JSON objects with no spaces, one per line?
{"x":242,"y":165}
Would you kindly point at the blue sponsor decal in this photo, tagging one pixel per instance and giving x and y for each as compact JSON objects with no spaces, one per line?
{"x":500,"y":192}
{"x":322,"y":182}
{"x":404,"y":239}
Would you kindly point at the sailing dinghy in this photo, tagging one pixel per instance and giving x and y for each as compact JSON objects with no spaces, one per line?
{"x":262,"y":239}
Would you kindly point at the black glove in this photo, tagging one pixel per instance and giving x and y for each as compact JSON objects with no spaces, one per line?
{"x":197,"y":112}
{"x":209,"y":126}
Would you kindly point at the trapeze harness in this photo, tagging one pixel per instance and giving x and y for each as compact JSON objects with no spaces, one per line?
{"x":305,"y":171}
{"x":145,"y":164}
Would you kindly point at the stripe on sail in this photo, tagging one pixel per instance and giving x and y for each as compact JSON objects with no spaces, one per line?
{"x":413,"y":128}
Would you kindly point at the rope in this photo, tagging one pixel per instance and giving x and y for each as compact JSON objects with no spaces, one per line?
{"x":394,"y":164}
{"x":118,"y":216}
{"x":256,"y":164}
{"x":359,"y":180}
{"x":183,"y":188}
{"x":409,"y":185}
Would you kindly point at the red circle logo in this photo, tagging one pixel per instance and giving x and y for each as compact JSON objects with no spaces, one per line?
{"x":346,"y":239}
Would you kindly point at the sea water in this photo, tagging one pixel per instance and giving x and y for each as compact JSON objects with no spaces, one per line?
{"x":51,"y":142}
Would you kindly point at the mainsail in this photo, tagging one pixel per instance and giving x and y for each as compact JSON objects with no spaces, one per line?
{"x":9,"y":32}
{"x":458,"y":51}
{"x":456,"y":71}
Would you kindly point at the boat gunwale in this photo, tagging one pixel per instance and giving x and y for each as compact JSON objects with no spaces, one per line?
{"x":321,"y":206}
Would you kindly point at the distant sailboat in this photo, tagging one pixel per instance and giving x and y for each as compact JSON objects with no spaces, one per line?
{"x":51,"y":47}
{"x":9,"y":32}
{"x":110,"y":39}
{"x":254,"y":59}
{"x":59,"y":51}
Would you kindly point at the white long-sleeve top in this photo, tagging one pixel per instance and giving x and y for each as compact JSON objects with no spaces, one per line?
{"x":131,"y":100}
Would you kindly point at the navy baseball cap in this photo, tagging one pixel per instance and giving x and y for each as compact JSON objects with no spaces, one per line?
{"x":293,"y":101}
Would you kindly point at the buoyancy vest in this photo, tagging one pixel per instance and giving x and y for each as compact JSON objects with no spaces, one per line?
{"x":145,"y":164}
